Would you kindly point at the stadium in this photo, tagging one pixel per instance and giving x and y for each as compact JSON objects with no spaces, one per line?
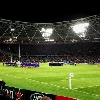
{"x":60,"y":58}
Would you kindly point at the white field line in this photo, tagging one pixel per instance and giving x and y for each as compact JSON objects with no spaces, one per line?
{"x":87,"y":87}
{"x":43,"y":82}
{"x":86,"y":92}
{"x":75,"y":89}
{"x":35,"y":81}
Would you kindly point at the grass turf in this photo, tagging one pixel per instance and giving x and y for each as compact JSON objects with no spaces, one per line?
{"x":55,"y":80}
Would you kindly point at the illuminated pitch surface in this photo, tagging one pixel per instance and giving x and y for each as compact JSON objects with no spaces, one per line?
{"x":54,"y":80}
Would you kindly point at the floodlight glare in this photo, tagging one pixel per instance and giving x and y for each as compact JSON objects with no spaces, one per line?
{"x":80,"y":28}
{"x":10,"y":39}
{"x":46,"y":33}
{"x":42,"y":30}
{"x":12,"y":29}
{"x":49,"y":31}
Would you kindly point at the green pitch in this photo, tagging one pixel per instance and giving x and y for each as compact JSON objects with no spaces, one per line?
{"x":55,"y":80}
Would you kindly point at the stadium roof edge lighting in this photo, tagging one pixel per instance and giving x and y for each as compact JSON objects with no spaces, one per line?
{"x":85,"y":17}
{"x":62,"y":31}
{"x":43,"y":23}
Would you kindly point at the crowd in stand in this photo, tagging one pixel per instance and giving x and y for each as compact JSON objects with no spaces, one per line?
{"x":76,"y":52}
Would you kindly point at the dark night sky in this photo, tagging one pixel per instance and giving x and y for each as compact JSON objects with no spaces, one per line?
{"x":41,"y":12}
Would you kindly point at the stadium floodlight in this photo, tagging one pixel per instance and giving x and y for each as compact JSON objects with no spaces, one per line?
{"x":46,"y":33}
{"x":12,"y":29}
{"x":49,"y":39}
{"x":80,"y":29}
{"x":10,"y":39}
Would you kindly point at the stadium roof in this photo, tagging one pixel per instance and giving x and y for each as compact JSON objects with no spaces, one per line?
{"x":26,"y":32}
